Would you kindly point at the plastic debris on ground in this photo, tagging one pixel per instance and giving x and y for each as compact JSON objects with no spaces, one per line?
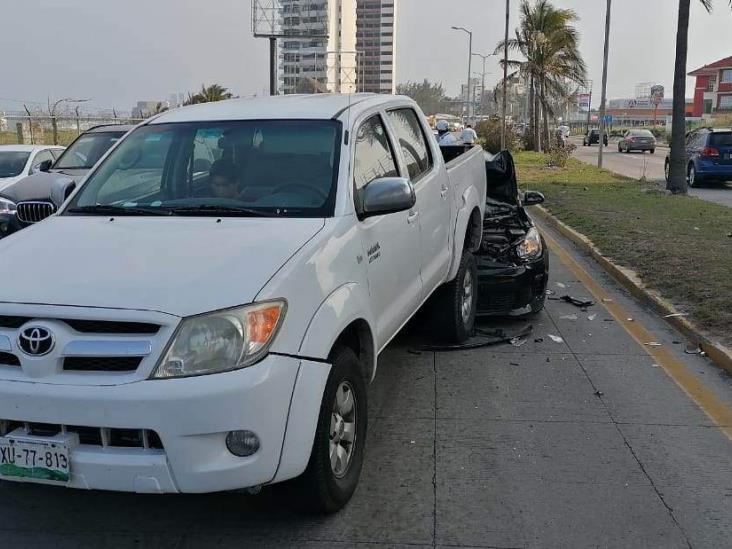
{"x":592,"y":317}
{"x":694,"y":351}
{"x":568,"y":317}
{"x":654,"y":344}
{"x":484,"y":338}
{"x":556,"y":339}
{"x":676,"y":314}
{"x":599,"y":393}
{"x":607,"y":300}
{"x":561,"y":285}
{"x":583,"y":303}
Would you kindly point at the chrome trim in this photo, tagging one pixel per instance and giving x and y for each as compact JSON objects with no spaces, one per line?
{"x":5,"y":345}
{"x":107,"y":348}
{"x":33,"y":211}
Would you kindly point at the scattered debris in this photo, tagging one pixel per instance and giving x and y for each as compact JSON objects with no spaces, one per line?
{"x":695,"y":351}
{"x":607,"y":300}
{"x":518,"y":341}
{"x":629,"y":319}
{"x":483,"y":338}
{"x":548,"y":359}
{"x":696,"y":228}
{"x":561,"y":285}
{"x":676,"y":342}
{"x":599,"y":393}
{"x":654,"y":344}
{"x":568,"y":317}
{"x":577,"y":302}
{"x":550,"y":292}
{"x":592,"y":317}
{"x":655,"y":366}
{"x":676,"y":314}
{"x":556,"y":339}
{"x":608,"y":320}
{"x":539,"y":340}
{"x":514,"y":364}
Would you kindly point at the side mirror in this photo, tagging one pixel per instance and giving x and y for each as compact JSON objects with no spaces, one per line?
{"x":45,"y":165}
{"x":61,"y":190}
{"x":532,"y":198}
{"x":386,"y":195}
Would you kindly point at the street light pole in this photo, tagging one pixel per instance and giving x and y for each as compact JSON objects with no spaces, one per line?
{"x":505,"y":76}
{"x":604,"y":83}
{"x":482,"y":89}
{"x":470,"y":68}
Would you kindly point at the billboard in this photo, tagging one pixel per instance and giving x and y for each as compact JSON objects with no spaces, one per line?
{"x":583,"y":100}
{"x":657,"y":95}
{"x":290,"y":18}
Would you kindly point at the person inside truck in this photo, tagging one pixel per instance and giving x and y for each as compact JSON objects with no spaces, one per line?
{"x":224,"y":179}
{"x":444,"y":137}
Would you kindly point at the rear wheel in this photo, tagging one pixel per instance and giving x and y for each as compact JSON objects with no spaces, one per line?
{"x":693,"y":179}
{"x":667,"y":170}
{"x":620,"y":149}
{"x":337,"y":456}
{"x":653,"y":151}
{"x":457,"y":302}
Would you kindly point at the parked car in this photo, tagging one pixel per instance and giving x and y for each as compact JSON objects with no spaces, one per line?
{"x":637,"y":140}
{"x":709,"y":156}
{"x":19,"y":161}
{"x":592,"y":137}
{"x":513,"y":261}
{"x":201,"y":331}
{"x":28,"y":200}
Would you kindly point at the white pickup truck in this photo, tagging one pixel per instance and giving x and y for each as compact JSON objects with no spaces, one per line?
{"x":205,"y":311}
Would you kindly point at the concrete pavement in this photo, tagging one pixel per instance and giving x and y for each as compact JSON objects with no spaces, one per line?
{"x":588,"y":442}
{"x":637,"y":165}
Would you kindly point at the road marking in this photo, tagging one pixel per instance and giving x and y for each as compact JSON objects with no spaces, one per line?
{"x":714,"y":408}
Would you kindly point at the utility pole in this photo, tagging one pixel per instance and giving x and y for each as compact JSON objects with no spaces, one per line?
{"x":272,"y":65}
{"x":603,"y":98}
{"x":505,"y":76}
{"x":470,"y":68}
{"x":485,"y":58}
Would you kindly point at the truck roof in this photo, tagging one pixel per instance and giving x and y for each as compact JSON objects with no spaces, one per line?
{"x":310,"y":107}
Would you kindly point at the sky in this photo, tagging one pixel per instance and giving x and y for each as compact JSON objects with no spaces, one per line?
{"x":118,"y":53}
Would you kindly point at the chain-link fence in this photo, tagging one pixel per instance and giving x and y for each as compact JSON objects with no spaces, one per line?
{"x":48,"y":130}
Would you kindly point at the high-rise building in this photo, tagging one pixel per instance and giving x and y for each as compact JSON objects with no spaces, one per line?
{"x":319,"y":55}
{"x":376,"y":45}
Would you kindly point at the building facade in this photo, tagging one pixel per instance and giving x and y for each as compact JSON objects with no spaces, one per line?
{"x":713,"y":89}
{"x":376,"y":45}
{"x":318,"y":53}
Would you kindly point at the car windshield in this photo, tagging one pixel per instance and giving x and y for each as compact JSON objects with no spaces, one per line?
{"x":721,"y":139}
{"x":243,"y":168}
{"x":12,"y":163}
{"x":87,"y":150}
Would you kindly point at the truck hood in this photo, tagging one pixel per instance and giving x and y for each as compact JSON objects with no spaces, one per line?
{"x":38,"y":186}
{"x":501,"y":177}
{"x":176,"y":265}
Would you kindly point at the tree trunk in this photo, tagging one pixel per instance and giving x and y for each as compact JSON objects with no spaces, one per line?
{"x":677,"y":183}
{"x":545,"y":117}
{"x":532,"y":114}
{"x":537,"y":124}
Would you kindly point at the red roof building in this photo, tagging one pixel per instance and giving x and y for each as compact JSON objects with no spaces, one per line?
{"x":713,"y":90}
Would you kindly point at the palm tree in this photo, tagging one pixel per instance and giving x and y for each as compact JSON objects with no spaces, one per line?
{"x":209,"y":94}
{"x":549,"y":44}
{"x":677,"y":174}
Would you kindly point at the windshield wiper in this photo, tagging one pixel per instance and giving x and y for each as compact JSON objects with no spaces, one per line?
{"x":110,"y":209}
{"x":210,"y":209}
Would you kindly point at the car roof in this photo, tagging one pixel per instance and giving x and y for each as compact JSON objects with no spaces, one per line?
{"x":281,"y":107}
{"x":28,"y":148}
{"x":110,"y":128}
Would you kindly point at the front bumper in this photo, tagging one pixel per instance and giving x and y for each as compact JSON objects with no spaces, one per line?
{"x":9,"y":224}
{"x":192,"y":417}
{"x":512,"y":290}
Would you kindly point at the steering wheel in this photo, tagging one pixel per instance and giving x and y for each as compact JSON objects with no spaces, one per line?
{"x":316,"y":190}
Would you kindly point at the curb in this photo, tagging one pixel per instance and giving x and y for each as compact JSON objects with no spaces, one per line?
{"x":719,"y":354}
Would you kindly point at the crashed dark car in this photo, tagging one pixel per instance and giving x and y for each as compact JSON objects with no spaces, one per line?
{"x":513,"y":263}
{"x":34,"y":198}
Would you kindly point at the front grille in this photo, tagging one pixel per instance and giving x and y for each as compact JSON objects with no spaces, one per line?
{"x":101,"y":364}
{"x":91,"y":436}
{"x":33,"y":212}
{"x":88,"y":326}
{"x":8,"y":359}
{"x":493,"y":300}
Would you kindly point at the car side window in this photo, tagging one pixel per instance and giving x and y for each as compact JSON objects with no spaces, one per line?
{"x":374,"y":157}
{"x":412,"y":142}
{"x":42,"y":157}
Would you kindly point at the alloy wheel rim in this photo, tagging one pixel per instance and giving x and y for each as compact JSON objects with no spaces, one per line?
{"x":342,"y":430}
{"x":467,"y":300}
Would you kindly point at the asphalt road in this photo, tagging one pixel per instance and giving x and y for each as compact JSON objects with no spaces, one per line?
{"x":588,"y":442}
{"x":638,"y":164}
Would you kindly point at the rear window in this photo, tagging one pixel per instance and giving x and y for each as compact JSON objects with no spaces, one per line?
{"x":12,"y":162}
{"x":720,"y":139}
{"x":641,"y":133}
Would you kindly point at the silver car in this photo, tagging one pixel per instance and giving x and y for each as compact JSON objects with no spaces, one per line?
{"x":637,"y":140}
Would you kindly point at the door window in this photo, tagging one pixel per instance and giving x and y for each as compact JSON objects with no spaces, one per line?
{"x":412,"y":142}
{"x":374,"y":157}
{"x":40,"y":158}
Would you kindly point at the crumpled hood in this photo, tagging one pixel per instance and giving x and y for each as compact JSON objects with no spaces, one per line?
{"x":177,"y":265}
{"x":38,"y":186}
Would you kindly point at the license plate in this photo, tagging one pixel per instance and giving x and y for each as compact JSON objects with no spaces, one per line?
{"x":35,"y":460}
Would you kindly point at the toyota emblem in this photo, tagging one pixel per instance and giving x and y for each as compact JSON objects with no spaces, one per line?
{"x":36,"y":341}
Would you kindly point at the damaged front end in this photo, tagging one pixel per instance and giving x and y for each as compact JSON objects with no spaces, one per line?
{"x":513,"y":263}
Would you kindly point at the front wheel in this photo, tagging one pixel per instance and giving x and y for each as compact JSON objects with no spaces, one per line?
{"x":458,"y":301}
{"x":693,"y":178}
{"x":653,"y":151}
{"x":337,"y":455}
{"x":667,"y":171}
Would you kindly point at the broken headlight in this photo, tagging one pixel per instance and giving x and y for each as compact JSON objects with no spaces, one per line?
{"x":530,"y":247}
{"x":7,"y":207}
{"x":222,"y":341}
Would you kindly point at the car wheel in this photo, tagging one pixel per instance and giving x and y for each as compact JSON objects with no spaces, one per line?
{"x":653,"y":151}
{"x":692,"y":177}
{"x":620,"y":149}
{"x":335,"y":463}
{"x":667,"y":170}
{"x":454,"y":315}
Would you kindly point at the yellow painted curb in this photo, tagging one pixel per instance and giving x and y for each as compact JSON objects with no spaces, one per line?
{"x":719,"y":354}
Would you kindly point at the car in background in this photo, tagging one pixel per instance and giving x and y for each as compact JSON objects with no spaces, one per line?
{"x":637,"y":140}
{"x":29,"y":199}
{"x":709,"y":156}
{"x":513,"y":261}
{"x":592,"y":137}
{"x":19,"y":161}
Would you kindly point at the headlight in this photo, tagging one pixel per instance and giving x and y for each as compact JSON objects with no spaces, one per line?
{"x":530,"y":247}
{"x":7,"y":207}
{"x":222,"y":341}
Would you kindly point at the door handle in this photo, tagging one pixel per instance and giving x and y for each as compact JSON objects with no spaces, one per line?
{"x":412,"y":217}
{"x":443,"y":192}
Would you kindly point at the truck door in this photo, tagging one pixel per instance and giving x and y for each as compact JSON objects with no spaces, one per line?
{"x":390,"y":242}
{"x":433,"y":196}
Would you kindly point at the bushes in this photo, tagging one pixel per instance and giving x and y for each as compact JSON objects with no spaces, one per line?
{"x":558,"y":155}
{"x":489,"y":133}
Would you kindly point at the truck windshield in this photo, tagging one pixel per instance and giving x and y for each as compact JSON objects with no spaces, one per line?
{"x":86,"y":150}
{"x":277,"y":168}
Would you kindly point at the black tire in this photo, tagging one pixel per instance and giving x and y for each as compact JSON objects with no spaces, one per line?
{"x":691,"y":176}
{"x":318,"y":489}
{"x":653,"y":151}
{"x":667,"y":171}
{"x":449,"y":322}
{"x":620,"y":149}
